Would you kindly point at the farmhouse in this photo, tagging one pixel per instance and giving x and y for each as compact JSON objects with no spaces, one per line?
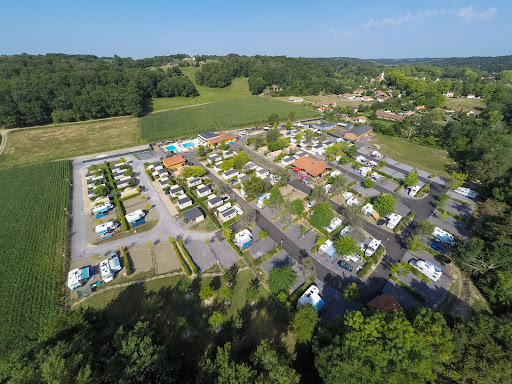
{"x":215,"y":202}
{"x":230,"y":174}
{"x":227,"y":214}
{"x":389,"y":116}
{"x":250,"y":165}
{"x":294,"y":99}
{"x":174,"y":161}
{"x":263,"y":150}
{"x":359,"y":92}
{"x":193,"y":215}
{"x":470,"y":96}
{"x":176,"y":190}
{"x":323,"y":109}
{"x":228,"y":154}
{"x":312,"y":167}
{"x":359,"y":132}
{"x":262,"y":172}
{"x":361,"y":119}
{"x":366,"y":98}
{"x":274,"y":155}
{"x":184,"y":202}
{"x":193,"y":181}
{"x":203,"y":190}
{"x":288,"y":160}
{"x":329,"y":103}
{"x":348,"y":96}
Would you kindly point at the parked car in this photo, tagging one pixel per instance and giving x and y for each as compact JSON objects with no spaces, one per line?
{"x":142,"y":188}
{"x":345,"y":265}
{"x":381,"y":222}
{"x":436,"y":247}
{"x":306,"y":183}
{"x":167,"y":191}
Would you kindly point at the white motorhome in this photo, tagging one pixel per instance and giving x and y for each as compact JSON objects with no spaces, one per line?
{"x":443,"y":236}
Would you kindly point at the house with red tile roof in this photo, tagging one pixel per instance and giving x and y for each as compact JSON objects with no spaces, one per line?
{"x":314,"y":168}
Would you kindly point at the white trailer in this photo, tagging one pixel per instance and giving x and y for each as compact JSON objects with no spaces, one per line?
{"x":135,"y":216}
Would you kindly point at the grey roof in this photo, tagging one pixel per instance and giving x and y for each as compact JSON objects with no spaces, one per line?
{"x":228,"y":153}
{"x":329,"y":142}
{"x":358,"y":131}
{"x":232,"y":172}
{"x":208,"y":135}
{"x":317,"y":146}
{"x":184,"y":200}
{"x":156,"y":164}
{"x":289,"y":158}
{"x":349,"y":126}
{"x":262,"y":170}
{"x":243,"y":178}
{"x":323,"y":126}
{"x":176,"y":188}
{"x":215,"y":200}
{"x":193,"y":214}
{"x":203,"y":189}
{"x":302,"y":153}
{"x":162,"y":171}
{"x":227,"y":212}
{"x":194,"y":180}
{"x":249,"y":164}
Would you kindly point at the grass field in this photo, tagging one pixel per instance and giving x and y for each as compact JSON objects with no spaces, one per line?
{"x":226,"y":114}
{"x":428,"y":159}
{"x":238,"y":88}
{"x":26,"y":146}
{"x":33,"y":238}
{"x":469,"y":104}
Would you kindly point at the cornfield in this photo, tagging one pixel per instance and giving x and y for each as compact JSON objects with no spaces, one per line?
{"x":33,"y":237}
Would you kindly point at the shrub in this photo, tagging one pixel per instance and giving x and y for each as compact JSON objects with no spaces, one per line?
{"x":369,"y":183}
{"x":206,"y":292}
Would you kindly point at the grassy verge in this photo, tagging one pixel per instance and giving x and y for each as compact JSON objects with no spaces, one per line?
{"x":425,"y":158}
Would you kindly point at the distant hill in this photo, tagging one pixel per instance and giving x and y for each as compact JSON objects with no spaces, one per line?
{"x":477,"y":63}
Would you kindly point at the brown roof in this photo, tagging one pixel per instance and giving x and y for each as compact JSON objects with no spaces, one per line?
{"x":222,"y":136}
{"x":348,"y":94}
{"x":173,"y":160}
{"x":311,"y":166}
{"x":385,"y":302}
{"x":389,"y":115}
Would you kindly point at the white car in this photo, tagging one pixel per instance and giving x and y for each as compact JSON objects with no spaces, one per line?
{"x":414,"y":190}
{"x":375,"y":176}
{"x":345,"y":231}
{"x":238,"y":210}
{"x":335,"y":224}
{"x":335,"y":173}
{"x":353,"y":201}
{"x":311,"y":203}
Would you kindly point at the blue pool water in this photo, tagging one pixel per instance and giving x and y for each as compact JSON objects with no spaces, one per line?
{"x":171,"y":148}
{"x":188,"y":145}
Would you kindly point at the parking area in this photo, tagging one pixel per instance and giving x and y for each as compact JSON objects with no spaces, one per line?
{"x":335,"y":304}
{"x":261,"y":247}
{"x":434,"y":292}
{"x":206,"y":255}
{"x":458,"y":209}
{"x":450,"y":224}
{"x":307,"y":242}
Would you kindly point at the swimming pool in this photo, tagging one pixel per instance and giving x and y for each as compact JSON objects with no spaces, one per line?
{"x":171,"y":148}
{"x":188,"y":145}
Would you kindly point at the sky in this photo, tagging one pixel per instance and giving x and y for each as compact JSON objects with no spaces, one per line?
{"x":361,"y":29}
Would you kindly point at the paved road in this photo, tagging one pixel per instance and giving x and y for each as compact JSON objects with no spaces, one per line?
{"x":167,"y":226}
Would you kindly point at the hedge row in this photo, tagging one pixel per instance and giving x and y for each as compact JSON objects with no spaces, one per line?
{"x":230,"y":221}
{"x":235,"y":247}
{"x":129,"y":197}
{"x":183,"y":264}
{"x":120,"y":208}
{"x":126,"y":263}
{"x":320,"y":229}
{"x":404,"y":221}
{"x":189,"y":260}
{"x":267,"y":256}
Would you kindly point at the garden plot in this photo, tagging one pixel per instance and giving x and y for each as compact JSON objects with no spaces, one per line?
{"x":165,"y":258}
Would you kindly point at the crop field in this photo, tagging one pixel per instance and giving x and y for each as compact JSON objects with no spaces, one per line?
{"x":226,"y":114}
{"x":26,"y":146}
{"x":33,"y":238}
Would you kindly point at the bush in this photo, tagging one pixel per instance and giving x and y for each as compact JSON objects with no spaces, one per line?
{"x":182,"y":262}
{"x":126,"y":262}
{"x":442,"y":200}
{"x":369,"y":183}
{"x":206,"y":292}
{"x":190,"y":262}
{"x":235,"y":247}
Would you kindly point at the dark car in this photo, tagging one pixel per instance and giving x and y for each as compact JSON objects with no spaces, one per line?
{"x":142,"y":188}
{"x":345,"y":265}
{"x":436,"y":247}
{"x":167,"y":191}
{"x":381,"y":222}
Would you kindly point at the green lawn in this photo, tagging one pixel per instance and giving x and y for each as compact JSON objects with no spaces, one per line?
{"x":33,"y":251}
{"x":469,"y":104}
{"x":226,"y":114}
{"x":428,"y":159}
{"x":238,"y":88}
